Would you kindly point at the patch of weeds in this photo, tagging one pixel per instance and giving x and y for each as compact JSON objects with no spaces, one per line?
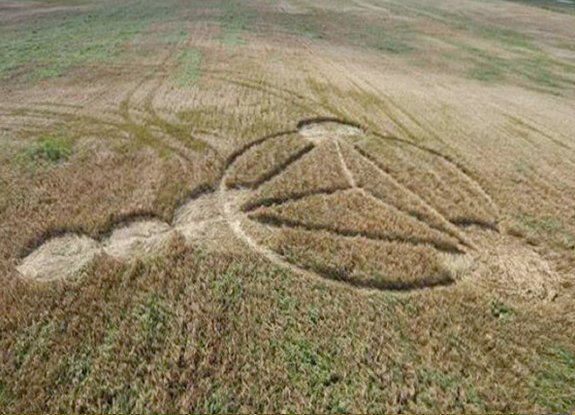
{"x":148,"y":41}
{"x":175,"y":36}
{"x":118,"y":400}
{"x":427,"y":377}
{"x":392,"y":45}
{"x":505,"y":36}
{"x":313,"y":314}
{"x":189,"y":60}
{"x":34,"y":340}
{"x":538,"y":71}
{"x":228,"y":286}
{"x":51,"y":46}
{"x":521,"y":167}
{"x":218,"y":402}
{"x":450,"y":384}
{"x":487,"y":67}
{"x":490,"y":68}
{"x":554,"y":385}
{"x":474,"y":399}
{"x":312,"y":368}
{"x":306,"y":363}
{"x":237,"y":19}
{"x":388,"y":40}
{"x":109,"y":341}
{"x":51,"y":149}
{"x":390,"y":303}
{"x":46,"y":72}
{"x":335,"y":406}
{"x":500,"y":310}
{"x":153,"y":323}
{"x":73,"y":369}
{"x":487,"y":72}
{"x":5,"y":395}
{"x":288,"y":303}
{"x":78,"y":369}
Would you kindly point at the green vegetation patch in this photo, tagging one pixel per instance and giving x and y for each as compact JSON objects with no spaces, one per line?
{"x":388,"y":40}
{"x":434,"y":383}
{"x":237,"y":19}
{"x":489,"y":67}
{"x":50,"y":149}
{"x":55,"y":44}
{"x":153,"y":318}
{"x":383,"y":36}
{"x":301,"y":24}
{"x":554,"y":386}
{"x":500,"y":310}
{"x":566,"y":6}
{"x":5,"y":395}
{"x":189,"y":60}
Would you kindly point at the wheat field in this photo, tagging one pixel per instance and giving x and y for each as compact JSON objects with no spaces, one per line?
{"x":287,"y":206}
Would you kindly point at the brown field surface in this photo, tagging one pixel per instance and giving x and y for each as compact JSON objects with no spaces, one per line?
{"x":329,"y":206}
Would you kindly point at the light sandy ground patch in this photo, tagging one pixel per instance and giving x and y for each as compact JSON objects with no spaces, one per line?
{"x":514,"y":267}
{"x":59,"y":257}
{"x":138,"y":238}
{"x":320,"y":132}
{"x":197,"y":220}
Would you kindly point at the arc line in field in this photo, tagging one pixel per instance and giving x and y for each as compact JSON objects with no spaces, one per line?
{"x":236,"y":228}
{"x":307,"y":271}
{"x":238,"y":153}
{"x":462,"y":169}
{"x":281,"y":93}
{"x":233,"y":216}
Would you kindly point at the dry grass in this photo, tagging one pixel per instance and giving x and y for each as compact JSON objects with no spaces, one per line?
{"x":317,"y":171}
{"x":440,"y":183}
{"x":265,"y":161}
{"x":384,"y":187}
{"x":354,"y":212}
{"x":118,"y":116}
{"x":359,"y":261}
{"x":165,"y":336}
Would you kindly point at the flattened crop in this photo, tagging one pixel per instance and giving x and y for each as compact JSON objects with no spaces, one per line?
{"x":327,"y":199}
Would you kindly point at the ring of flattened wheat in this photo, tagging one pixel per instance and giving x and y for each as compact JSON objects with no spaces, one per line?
{"x":236,"y":214}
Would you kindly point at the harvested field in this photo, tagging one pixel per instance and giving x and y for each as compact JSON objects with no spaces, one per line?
{"x":249,"y":206}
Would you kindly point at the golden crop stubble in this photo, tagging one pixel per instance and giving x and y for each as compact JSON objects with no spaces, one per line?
{"x":355,"y":212}
{"x":316,"y":171}
{"x":439,"y":182}
{"x":358,"y":261}
{"x":263,"y":160}
{"x":384,"y":187}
